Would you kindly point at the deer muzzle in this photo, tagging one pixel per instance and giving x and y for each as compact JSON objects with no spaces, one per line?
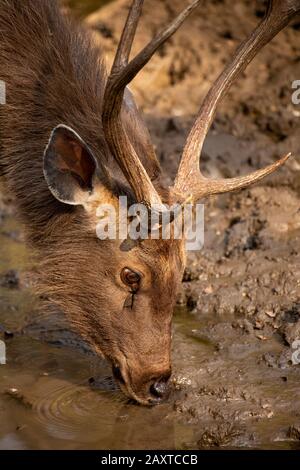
{"x":147,"y":387}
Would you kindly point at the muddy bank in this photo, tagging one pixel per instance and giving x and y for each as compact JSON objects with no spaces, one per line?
{"x":236,"y":377}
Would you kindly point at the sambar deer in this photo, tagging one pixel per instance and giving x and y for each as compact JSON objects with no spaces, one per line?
{"x":64,"y":125}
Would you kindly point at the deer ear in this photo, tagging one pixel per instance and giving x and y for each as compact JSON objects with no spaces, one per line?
{"x":69,"y":166}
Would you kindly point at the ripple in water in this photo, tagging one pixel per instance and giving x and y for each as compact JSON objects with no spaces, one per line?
{"x":75,"y":412}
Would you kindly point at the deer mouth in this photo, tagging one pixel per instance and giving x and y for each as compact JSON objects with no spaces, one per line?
{"x":157,"y":390}
{"x":122,"y":379}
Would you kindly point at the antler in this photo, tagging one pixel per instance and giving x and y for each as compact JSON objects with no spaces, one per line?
{"x":190,"y":183}
{"x":121,"y":74}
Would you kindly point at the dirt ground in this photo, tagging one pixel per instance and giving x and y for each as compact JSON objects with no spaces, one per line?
{"x":241,"y":292}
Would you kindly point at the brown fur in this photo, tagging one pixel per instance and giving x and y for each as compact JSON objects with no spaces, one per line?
{"x":54,"y":75}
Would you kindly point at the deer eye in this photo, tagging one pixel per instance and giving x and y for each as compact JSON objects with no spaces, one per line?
{"x":131,"y":278}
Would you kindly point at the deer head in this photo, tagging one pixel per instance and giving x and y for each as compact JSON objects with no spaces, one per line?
{"x":122,"y":299}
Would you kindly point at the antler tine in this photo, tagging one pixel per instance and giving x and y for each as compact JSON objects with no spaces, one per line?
{"x":116,"y":136}
{"x":190,"y":181}
{"x":128,"y":34}
{"x":121,"y":75}
{"x":210,"y":187}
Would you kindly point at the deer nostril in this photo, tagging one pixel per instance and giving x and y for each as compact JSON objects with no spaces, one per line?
{"x":159,"y":389}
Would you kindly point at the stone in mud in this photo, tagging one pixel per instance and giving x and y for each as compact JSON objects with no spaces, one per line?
{"x":19,"y":397}
{"x":291,"y":332}
{"x":190,"y":274}
{"x":8,"y":334}
{"x":218,"y":436}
